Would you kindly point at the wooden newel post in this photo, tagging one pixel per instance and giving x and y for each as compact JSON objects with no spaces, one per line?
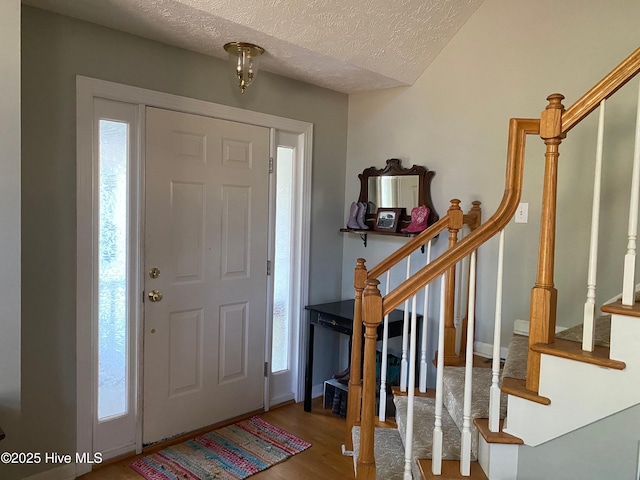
{"x":473,"y":218}
{"x":456,"y":219}
{"x":355,"y":366}
{"x":543,"y":295}
{"x":366,"y":465}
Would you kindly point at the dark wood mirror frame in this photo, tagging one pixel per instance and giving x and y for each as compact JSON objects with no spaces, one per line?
{"x":394,"y":167}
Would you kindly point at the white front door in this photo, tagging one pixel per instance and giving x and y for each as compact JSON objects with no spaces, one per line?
{"x":206,"y":231}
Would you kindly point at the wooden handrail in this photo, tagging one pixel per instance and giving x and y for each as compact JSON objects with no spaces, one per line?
{"x":606,"y":87}
{"x":409,"y":247}
{"x":518,"y":130}
{"x":553,"y":125}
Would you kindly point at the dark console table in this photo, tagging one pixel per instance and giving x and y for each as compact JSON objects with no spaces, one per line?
{"x":338,"y":316}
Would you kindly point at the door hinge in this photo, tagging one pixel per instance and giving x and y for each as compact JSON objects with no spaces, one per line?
{"x":270,"y":164}
{"x":268,"y":267}
{"x":266,"y":369}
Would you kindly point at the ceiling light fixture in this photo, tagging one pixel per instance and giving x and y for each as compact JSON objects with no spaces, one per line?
{"x":244,"y":57}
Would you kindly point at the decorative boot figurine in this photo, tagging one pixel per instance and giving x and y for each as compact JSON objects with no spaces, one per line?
{"x":362,"y":210}
{"x":352,"y":222}
{"x":418,"y":219}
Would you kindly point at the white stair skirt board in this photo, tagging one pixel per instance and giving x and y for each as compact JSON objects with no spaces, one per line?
{"x":499,"y":461}
{"x":598,"y":391}
{"x":63,"y":472}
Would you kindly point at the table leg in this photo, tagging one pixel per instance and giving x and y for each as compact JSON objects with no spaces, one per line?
{"x":308,"y":373}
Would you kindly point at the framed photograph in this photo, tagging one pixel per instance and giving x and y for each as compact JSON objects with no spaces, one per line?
{"x":387,"y":219}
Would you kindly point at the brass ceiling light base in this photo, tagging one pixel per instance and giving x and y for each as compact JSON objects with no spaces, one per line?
{"x":244,"y":57}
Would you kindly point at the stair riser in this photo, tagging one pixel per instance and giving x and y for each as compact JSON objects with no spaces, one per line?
{"x":597,"y":391}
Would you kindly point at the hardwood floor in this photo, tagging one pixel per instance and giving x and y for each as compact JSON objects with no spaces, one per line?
{"x":321,"y":461}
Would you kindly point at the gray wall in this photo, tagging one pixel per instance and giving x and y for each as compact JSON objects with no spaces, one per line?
{"x":588,"y":453}
{"x":9,"y":227}
{"x":55,"y":50}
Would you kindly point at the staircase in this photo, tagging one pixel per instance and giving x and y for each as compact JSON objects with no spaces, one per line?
{"x":389,"y":443}
{"x":480,"y":420}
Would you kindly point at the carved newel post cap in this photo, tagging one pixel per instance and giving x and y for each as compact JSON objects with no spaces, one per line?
{"x":372,"y":287}
{"x":555,"y":101}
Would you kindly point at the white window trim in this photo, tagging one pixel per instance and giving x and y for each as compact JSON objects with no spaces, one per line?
{"x":86,"y":90}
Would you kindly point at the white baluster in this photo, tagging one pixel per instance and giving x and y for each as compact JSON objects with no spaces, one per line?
{"x":465,"y":443}
{"x":494,"y":394}
{"x":408,"y":444}
{"x":382,"y":413}
{"x":590,"y":304}
{"x":461,"y":299}
{"x":630,"y":257}
{"x":436,"y":457}
{"x":425,"y":326}
{"x":405,"y":337}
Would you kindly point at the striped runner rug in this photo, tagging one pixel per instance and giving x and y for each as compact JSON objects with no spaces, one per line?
{"x":233,"y":452}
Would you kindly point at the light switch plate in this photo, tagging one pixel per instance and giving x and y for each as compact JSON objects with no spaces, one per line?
{"x":522,"y":213}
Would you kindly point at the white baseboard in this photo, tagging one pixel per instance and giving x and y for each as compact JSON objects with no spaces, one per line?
{"x":317,"y":390}
{"x":486,"y":350}
{"x":63,"y":472}
{"x":281,"y":399}
{"x":521,"y":327}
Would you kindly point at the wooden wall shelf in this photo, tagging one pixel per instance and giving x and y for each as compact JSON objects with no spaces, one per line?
{"x":363,"y":234}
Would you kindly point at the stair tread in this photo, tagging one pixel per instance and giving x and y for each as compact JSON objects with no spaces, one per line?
{"x":388,"y":423}
{"x":517,"y":387}
{"x":430,"y":393}
{"x":388,"y":453}
{"x":496,"y":437}
{"x":601,"y":332}
{"x":454,"y":382}
{"x":450,"y":470}
{"x":573,"y":351}
{"x":424,"y":419}
{"x":515,"y":365}
{"x":619,"y":309}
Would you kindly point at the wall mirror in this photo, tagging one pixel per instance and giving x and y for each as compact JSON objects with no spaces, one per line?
{"x":397,"y":187}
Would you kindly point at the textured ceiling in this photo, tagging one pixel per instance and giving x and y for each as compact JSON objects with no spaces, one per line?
{"x":350,"y":47}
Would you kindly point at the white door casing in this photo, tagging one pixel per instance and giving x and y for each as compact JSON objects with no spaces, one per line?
{"x":87,"y":91}
{"x":206,"y":232}
{"x":282,"y":383}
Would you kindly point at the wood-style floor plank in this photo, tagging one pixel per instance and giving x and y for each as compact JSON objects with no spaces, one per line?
{"x":321,"y":461}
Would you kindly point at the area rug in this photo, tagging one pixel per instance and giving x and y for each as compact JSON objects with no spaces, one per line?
{"x":234,"y":452}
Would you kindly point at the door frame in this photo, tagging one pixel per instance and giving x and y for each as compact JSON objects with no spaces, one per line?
{"x":87,"y":89}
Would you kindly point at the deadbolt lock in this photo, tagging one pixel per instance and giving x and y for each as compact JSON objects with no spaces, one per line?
{"x":154,"y":272}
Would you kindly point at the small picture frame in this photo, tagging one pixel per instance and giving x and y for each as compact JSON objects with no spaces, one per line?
{"x":388,"y":219}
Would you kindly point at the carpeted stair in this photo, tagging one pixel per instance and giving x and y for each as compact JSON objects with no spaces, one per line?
{"x":601,"y":332}
{"x":389,"y":443}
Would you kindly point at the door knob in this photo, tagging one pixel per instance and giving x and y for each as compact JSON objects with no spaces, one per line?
{"x":155,"y":296}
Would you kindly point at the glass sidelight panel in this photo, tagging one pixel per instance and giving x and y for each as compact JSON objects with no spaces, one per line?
{"x":282,"y":261}
{"x":113,"y":308}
